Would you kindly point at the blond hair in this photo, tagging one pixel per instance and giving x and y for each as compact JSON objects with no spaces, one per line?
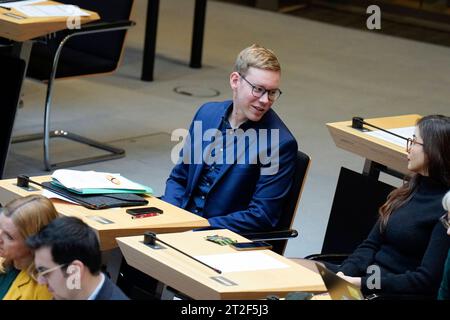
{"x":446,"y":201}
{"x":257,"y":57}
{"x":29,"y":214}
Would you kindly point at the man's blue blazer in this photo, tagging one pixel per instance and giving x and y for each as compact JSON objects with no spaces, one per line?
{"x":241,"y":199}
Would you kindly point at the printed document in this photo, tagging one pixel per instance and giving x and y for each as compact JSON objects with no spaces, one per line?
{"x":406,"y":132}
{"x":62,"y":10}
{"x":242,"y":261}
{"x":17,"y":4}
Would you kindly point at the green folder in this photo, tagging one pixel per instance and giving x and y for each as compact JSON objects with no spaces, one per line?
{"x":143,"y":190}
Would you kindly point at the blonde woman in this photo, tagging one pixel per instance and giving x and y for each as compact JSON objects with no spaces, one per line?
{"x":444,"y":291}
{"x":20,"y":219}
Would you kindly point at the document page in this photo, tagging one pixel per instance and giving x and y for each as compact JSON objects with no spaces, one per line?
{"x":78,"y":180}
{"x":242,"y":261}
{"x":17,"y":4}
{"x":51,"y":11}
{"x":406,"y":132}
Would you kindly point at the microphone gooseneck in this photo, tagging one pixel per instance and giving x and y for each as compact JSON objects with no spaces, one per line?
{"x":358,"y":122}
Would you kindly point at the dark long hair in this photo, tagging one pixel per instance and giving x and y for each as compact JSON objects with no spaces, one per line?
{"x":435,"y":132}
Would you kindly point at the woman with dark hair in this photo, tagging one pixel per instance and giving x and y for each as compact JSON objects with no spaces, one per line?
{"x":406,"y":250}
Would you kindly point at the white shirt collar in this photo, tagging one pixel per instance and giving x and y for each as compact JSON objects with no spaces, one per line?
{"x":97,"y":289}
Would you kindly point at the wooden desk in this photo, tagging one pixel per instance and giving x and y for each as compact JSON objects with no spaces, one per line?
{"x":376,"y":151}
{"x":29,"y":28}
{"x":197,"y":281}
{"x":173,"y":219}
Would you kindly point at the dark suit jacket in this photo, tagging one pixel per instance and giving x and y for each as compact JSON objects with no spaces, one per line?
{"x":110,"y":291}
{"x":241,"y":198}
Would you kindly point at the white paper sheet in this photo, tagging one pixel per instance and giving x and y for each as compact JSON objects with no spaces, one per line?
{"x":78,"y":180}
{"x":406,"y":132}
{"x":62,"y":10}
{"x":16,"y":4}
{"x":242,"y":261}
{"x":51,"y":195}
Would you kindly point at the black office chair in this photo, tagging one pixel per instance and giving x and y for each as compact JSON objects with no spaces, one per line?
{"x":353,"y":214}
{"x":95,"y":48}
{"x":11,"y":76}
{"x":279,"y":237}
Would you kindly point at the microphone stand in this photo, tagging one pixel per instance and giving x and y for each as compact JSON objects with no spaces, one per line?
{"x":150,"y":239}
{"x":357,"y":123}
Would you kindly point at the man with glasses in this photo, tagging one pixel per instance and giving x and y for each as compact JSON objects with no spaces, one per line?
{"x":444,"y":291}
{"x":237,"y":162}
{"x":68,"y":260}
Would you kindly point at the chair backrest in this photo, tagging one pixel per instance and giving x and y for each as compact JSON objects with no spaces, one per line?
{"x":12,"y":72}
{"x":289,"y":210}
{"x":86,"y":54}
{"x":354,"y":211}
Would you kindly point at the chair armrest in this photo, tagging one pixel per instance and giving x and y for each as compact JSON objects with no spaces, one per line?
{"x":101,"y":26}
{"x":332,"y":257}
{"x":271,"y":235}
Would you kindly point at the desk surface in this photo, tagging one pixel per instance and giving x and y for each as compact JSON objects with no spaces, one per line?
{"x":173,"y":219}
{"x":28,"y":28}
{"x":371,"y":148}
{"x":198,"y":281}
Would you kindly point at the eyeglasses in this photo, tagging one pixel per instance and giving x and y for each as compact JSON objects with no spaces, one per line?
{"x":445,"y":220}
{"x":258,"y":92}
{"x":42,"y":273}
{"x":411,"y":142}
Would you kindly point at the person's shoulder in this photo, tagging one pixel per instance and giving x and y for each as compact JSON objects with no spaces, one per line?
{"x":214,"y":107}
{"x":110,"y":291}
{"x":273,"y":121}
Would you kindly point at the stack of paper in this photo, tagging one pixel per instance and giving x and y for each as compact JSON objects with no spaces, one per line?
{"x":62,"y":10}
{"x":92,"y":182}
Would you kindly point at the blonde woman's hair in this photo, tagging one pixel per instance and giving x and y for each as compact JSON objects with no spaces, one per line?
{"x":257,"y":57}
{"x":446,"y":201}
{"x":29,"y":214}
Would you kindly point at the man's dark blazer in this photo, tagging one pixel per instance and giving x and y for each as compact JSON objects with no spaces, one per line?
{"x":109,"y":291}
{"x":241,"y":198}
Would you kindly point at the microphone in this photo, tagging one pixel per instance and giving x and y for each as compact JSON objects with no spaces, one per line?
{"x":150,"y":239}
{"x":358,"y":122}
{"x":23,"y":182}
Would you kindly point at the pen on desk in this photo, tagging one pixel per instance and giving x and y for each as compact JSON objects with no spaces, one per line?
{"x":144,"y":215}
{"x":113,"y":179}
{"x":150,"y":238}
{"x":6,"y":8}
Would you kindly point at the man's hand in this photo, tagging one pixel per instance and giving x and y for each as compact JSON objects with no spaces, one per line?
{"x":353,"y":280}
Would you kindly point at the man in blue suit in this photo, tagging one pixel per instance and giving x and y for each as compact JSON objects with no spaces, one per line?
{"x":237,"y":160}
{"x":68,"y":260}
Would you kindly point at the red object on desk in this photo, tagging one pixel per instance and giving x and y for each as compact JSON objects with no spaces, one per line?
{"x":145,"y":215}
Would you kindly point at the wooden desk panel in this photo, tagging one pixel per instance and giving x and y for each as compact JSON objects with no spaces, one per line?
{"x":195,"y":280}
{"x":371,"y":148}
{"x":29,"y":28}
{"x":173,"y":219}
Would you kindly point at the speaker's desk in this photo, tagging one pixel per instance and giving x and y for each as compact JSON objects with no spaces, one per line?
{"x":200,"y":282}
{"x":21,"y":31}
{"x":380,"y":155}
{"x":114,"y":222}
